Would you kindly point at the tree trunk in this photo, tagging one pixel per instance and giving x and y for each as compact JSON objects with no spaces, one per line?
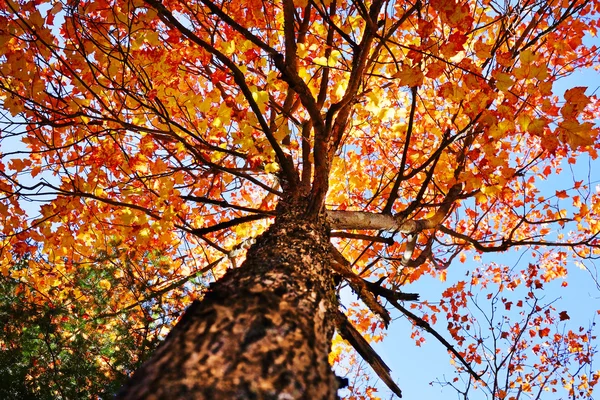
{"x":263,"y":331}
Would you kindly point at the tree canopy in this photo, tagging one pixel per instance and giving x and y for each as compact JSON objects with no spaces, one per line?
{"x":146,"y":145}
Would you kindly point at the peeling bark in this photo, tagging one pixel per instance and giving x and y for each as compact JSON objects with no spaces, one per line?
{"x":371,"y":221}
{"x":263,"y":331}
{"x":363,"y":220}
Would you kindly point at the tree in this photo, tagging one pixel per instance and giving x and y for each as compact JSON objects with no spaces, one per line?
{"x":521,"y":339}
{"x":76,"y":346}
{"x":282,"y":150}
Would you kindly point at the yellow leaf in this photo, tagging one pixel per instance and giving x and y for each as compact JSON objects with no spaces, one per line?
{"x":144,"y":233}
{"x":271,"y":167}
{"x":104,"y":284}
{"x":491,"y":190}
{"x":481,"y":198}
{"x":229,"y":47}
{"x":538,"y":71}
{"x":261,"y":98}
{"x":320,"y":61}
{"x":527,"y":56}
{"x":332,"y":60}
{"x":503,"y":81}
{"x":301,"y":50}
{"x":410,"y":76}
{"x":524,"y":120}
{"x":536,"y":127}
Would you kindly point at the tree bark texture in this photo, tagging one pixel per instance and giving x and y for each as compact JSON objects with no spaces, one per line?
{"x":263,"y":331}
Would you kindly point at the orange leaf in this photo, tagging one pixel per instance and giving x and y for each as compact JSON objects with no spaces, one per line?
{"x":410,"y":76}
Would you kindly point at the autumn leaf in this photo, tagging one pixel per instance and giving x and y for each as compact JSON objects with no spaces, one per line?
{"x":503,"y":81}
{"x":575,"y":102}
{"x":454,"y":45}
{"x":435,"y":69}
{"x":409,"y":76}
{"x":104,"y":284}
{"x":577,"y":134}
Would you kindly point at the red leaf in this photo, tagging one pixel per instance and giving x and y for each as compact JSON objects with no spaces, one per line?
{"x":561,"y":194}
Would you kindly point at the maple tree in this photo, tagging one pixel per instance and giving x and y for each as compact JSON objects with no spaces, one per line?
{"x":278,"y":151}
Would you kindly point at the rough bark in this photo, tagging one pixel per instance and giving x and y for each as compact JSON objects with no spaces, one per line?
{"x":263,"y":331}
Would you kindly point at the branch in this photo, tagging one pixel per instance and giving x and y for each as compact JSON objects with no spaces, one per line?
{"x":426,"y":327}
{"x":327,"y":141}
{"x":224,"y":204}
{"x":388,"y":294}
{"x":349,"y":333}
{"x":327,"y":18}
{"x":342,"y":267}
{"x":505,"y":244}
{"x":370,"y":221}
{"x":227,"y":224}
{"x":243,"y":31}
{"x":362,"y":220}
{"x":411,"y":242}
{"x":380,"y":239}
{"x":289,"y":34}
{"x":400,"y":177}
{"x":292,"y":78}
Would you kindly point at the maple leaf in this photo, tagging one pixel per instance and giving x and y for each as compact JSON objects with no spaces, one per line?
{"x":503,"y":81}
{"x":454,"y":45}
{"x":409,"y":76}
{"x":577,"y":134}
{"x":575,"y":102}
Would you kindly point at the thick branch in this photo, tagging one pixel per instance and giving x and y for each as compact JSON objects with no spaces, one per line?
{"x":327,"y":142}
{"x":362,"y":220}
{"x":225,"y":204}
{"x":342,"y":267}
{"x":348,"y":235}
{"x":388,"y":294}
{"x":352,"y":336}
{"x":289,"y":34}
{"x":227,"y":224}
